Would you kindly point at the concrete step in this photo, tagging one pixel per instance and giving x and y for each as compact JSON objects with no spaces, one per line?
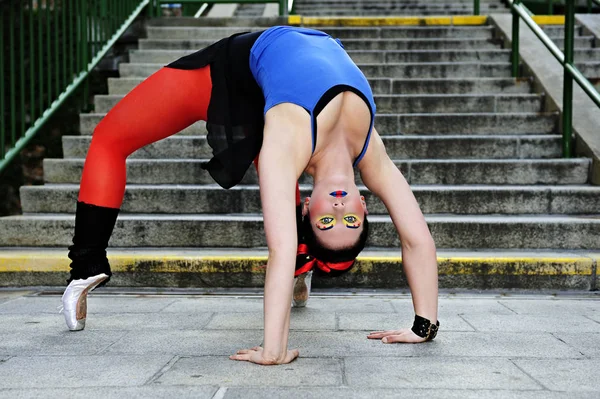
{"x":398,"y":147}
{"x":391,"y":5}
{"x":246,"y":231}
{"x":250,"y":10}
{"x":216,"y":33}
{"x":559,"y":30}
{"x":407,"y":2}
{"x":425,"y":70}
{"x":189,"y":171}
{"x":420,"y":124}
{"x":475,"y":103}
{"x":440,"y":9}
{"x":360,"y":56}
{"x":88,"y":122}
{"x":447,"y":199}
{"x":119,"y":86}
{"x":322,"y":12}
{"x":476,"y":124}
{"x":349,"y":44}
{"x":228,"y":271}
{"x":590,"y":70}
{"x":580,"y":42}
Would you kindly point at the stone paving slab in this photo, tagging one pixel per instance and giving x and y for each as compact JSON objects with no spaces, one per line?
{"x":255,"y":304}
{"x":583,"y":373}
{"x":301,"y":319}
{"x":96,"y":304}
{"x":10,"y":295}
{"x":554,"y":307}
{"x":526,"y":346}
{"x":222,"y":371}
{"x":187,"y":342}
{"x":395,"y":393}
{"x":383,"y":321}
{"x":42,"y":323}
{"x":83,"y":370}
{"x":588,"y":344}
{"x":448,"y":344}
{"x":459,"y":306}
{"x":527,"y":323}
{"x":138,"y":392}
{"x":440,"y":372}
{"x":58,"y":342}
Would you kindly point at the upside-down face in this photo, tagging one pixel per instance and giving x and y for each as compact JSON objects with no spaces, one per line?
{"x":336,"y":215}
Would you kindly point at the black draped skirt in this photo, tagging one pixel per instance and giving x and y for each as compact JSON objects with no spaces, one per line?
{"x":235,"y":119}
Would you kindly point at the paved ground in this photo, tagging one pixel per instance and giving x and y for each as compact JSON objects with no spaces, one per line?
{"x":140,"y":345}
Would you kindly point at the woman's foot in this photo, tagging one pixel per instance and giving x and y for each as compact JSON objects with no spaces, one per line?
{"x":74,"y":300}
{"x":302,"y":289}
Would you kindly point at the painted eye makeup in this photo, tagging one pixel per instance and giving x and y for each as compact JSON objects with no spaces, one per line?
{"x":352,"y":221}
{"x":326,"y":222}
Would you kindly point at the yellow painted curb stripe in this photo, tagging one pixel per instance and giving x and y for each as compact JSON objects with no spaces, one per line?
{"x":459,"y":20}
{"x":39,"y":262}
{"x":549,"y":19}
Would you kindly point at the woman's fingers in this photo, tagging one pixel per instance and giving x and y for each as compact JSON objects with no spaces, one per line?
{"x":392,"y":336}
{"x":381,"y":334}
{"x":245,"y":356}
{"x":406,"y":336}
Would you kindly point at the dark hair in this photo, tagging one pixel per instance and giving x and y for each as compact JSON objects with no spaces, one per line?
{"x":316,"y":248}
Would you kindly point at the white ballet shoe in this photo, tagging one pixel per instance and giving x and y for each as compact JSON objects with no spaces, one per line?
{"x":74,"y":300}
{"x":302,"y":285}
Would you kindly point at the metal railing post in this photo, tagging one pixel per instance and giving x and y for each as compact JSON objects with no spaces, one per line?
{"x":22,"y":113}
{"x":11,"y":64}
{"x":550,"y":7}
{"x":38,"y":72}
{"x":514,"y":56}
{"x":476,"y":7}
{"x":2,"y":80}
{"x":567,"y":117}
{"x":283,"y":8}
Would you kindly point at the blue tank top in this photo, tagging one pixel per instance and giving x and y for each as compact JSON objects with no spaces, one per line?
{"x":308,"y":68}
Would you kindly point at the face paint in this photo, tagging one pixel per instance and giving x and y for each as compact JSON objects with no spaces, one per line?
{"x":325,"y":222}
{"x":352,"y":221}
{"x":338,"y":194}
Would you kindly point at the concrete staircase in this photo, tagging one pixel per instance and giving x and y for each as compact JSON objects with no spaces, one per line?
{"x":395,"y":7}
{"x":587,"y":53}
{"x":480,"y":151}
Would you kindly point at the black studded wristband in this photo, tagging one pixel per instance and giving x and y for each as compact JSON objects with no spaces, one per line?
{"x":424,"y":328}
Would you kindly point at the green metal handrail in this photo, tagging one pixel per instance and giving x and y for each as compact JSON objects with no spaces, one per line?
{"x":570,"y":71}
{"x":51,"y":46}
{"x":284,"y":10}
{"x":476,"y":7}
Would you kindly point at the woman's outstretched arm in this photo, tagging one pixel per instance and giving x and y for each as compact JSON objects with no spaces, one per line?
{"x":382,"y":178}
{"x":281,"y":162}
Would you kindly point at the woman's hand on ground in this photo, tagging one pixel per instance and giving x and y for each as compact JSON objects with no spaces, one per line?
{"x":256,"y":355}
{"x":405,"y":335}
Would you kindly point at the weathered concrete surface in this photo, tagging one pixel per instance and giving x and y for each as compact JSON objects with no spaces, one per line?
{"x":590,"y":23}
{"x":222,"y":10}
{"x":213,"y":267}
{"x":490,"y":345}
{"x":549,"y":78}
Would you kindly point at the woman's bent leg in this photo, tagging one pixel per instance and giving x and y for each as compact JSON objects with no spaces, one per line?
{"x":162,"y":105}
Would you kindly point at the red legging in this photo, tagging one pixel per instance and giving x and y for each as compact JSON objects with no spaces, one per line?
{"x":162,"y":105}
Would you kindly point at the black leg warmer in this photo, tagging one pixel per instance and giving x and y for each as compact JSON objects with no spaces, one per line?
{"x":93,"y":228}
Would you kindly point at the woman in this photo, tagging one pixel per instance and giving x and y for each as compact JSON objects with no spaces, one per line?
{"x":294,"y":96}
